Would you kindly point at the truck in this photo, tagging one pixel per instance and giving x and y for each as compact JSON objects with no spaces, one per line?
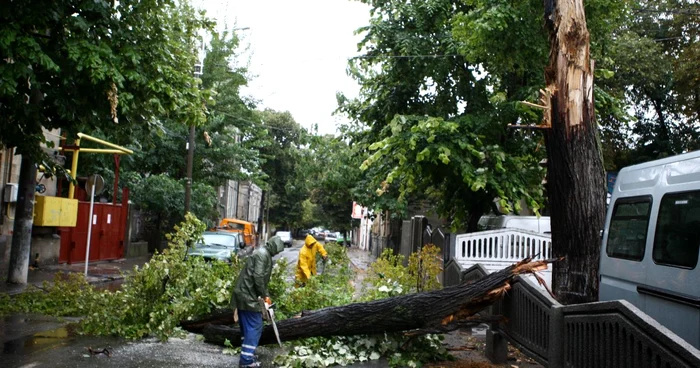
{"x":239,"y":226}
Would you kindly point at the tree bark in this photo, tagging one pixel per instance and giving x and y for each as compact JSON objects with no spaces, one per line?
{"x":24,"y":218}
{"x":24,"y":211}
{"x":426,"y":311}
{"x":576,"y":180}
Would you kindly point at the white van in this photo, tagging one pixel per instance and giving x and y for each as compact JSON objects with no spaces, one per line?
{"x":532,"y":223}
{"x":649,"y":253}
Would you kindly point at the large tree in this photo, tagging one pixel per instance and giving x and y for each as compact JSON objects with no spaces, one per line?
{"x":226,"y":146}
{"x":337,"y":170}
{"x":82,"y":64}
{"x":575,"y":168}
{"x":286,"y":167}
{"x":450,"y":143}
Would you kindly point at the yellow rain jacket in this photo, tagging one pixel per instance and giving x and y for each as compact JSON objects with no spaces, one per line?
{"x":306,"y":266}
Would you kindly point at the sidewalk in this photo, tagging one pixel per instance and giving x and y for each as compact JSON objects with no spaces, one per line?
{"x":98,"y":272}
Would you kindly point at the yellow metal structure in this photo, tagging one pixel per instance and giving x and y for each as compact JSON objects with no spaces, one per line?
{"x":117,"y":149}
{"x":55,"y":211}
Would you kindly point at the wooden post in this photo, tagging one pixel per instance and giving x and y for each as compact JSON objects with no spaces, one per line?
{"x":576,"y":181}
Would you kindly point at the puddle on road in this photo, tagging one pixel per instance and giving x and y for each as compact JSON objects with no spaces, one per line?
{"x":40,"y":341}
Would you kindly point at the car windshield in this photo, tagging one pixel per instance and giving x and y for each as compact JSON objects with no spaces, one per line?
{"x":219,"y":240}
{"x":284,"y":234}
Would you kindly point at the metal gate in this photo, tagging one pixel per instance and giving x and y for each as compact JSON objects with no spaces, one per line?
{"x":107,"y":237}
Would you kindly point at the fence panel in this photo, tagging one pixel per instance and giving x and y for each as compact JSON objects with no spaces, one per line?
{"x":603,"y":334}
{"x":498,"y":249}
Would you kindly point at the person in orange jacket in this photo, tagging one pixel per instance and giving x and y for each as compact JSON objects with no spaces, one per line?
{"x":306,"y":266}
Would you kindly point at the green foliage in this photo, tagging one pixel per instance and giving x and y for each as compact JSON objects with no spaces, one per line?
{"x":425,"y":266}
{"x":345,"y":350}
{"x":92,"y":64}
{"x":287,"y":169}
{"x":456,"y":159}
{"x":336,"y":167}
{"x":388,"y":276}
{"x":331,"y":288}
{"x":153,"y":299}
{"x":435,"y":128}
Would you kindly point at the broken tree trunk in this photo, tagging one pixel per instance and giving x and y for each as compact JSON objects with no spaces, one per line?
{"x":426,"y":310}
{"x":575,"y":175}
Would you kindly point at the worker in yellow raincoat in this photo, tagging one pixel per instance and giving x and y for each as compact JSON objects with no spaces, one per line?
{"x":306,"y":266}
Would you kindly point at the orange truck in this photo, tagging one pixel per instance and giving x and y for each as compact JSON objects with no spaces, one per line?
{"x":239,"y":226}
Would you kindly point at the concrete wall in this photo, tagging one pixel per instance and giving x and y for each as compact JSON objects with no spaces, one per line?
{"x":241,"y":200}
{"x":46,"y":244}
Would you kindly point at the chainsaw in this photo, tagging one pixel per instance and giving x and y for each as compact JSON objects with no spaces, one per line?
{"x":270,"y":311}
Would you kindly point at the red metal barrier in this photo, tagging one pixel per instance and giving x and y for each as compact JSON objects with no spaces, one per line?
{"x":107,"y":238}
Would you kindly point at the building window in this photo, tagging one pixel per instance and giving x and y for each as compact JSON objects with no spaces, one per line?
{"x":677,"y":236}
{"x":627,"y":235}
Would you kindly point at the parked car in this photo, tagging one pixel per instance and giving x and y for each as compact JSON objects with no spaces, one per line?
{"x":286,"y":237}
{"x":302,"y":233}
{"x":331,"y":236}
{"x":318,"y":234}
{"x":340,"y":239}
{"x":219,"y":245}
{"x":536,"y":224}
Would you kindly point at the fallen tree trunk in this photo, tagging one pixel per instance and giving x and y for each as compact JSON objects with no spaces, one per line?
{"x":426,"y":310}
{"x":218,"y":317}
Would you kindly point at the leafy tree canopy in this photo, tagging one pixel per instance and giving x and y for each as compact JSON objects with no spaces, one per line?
{"x":286,"y":167}
{"x":87,"y":64}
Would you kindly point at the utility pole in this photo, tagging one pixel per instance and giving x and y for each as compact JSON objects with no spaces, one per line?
{"x":188,"y":180}
{"x":198,"y":71}
{"x":575,"y":176}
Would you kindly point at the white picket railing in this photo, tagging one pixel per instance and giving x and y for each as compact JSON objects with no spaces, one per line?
{"x":498,"y":249}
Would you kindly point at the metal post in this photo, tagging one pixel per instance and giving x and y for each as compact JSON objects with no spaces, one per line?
{"x":92,"y":204}
{"x":74,"y":169}
{"x":116,"y":179}
{"x":188,"y":180}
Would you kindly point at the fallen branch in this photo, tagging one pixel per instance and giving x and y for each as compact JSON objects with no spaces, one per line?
{"x":419,"y":311}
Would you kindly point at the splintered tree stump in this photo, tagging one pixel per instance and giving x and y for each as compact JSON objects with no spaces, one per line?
{"x":425,"y":310}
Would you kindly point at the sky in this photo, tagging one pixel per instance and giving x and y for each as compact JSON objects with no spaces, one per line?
{"x":298,"y":52}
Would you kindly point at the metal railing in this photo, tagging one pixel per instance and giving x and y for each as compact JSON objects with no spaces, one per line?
{"x":498,"y":249}
{"x":602,"y":334}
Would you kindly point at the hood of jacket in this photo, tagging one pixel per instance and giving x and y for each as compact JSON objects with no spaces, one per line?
{"x":275,"y":245}
{"x":309,"y":241}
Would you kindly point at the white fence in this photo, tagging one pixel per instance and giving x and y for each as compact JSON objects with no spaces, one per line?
{"x":498,"y":249}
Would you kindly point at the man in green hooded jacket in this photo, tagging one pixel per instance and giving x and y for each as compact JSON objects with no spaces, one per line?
{"x":251,"y":286}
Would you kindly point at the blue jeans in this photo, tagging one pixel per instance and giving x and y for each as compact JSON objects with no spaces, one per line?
{"x":251,"y":329}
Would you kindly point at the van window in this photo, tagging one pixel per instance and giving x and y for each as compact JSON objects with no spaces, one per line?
{"x":235,"y":226}
{"x":627,"y":235}
{"x":677,"y":237}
